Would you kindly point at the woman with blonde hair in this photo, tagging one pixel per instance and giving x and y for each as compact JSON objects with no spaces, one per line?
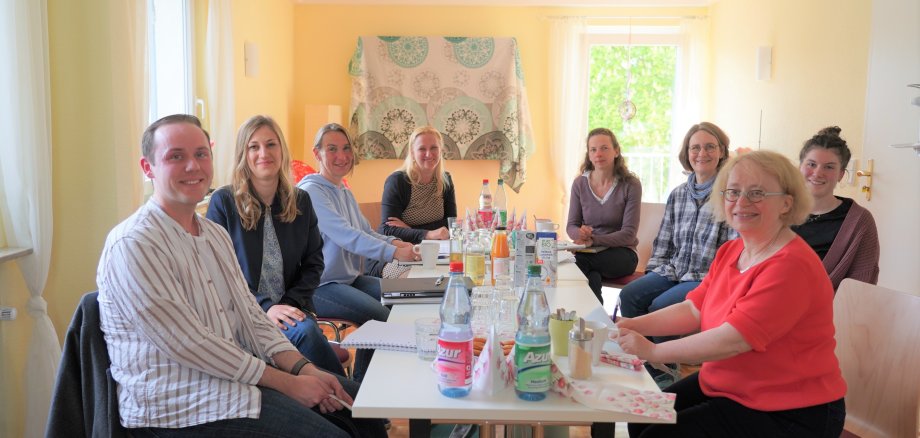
{"x":604,"y":211}
{"x":761,"y":322}
{"x":274,"y":232}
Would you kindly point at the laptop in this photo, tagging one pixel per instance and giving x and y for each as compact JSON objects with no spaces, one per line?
{"x":416,"y":290}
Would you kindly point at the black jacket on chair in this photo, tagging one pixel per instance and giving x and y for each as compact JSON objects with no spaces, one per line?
{"x":85,"y":400}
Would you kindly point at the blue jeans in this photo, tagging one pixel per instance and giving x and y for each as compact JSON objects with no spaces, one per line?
{"x":358,"y":302}
{"x":281,"y":416}
{"x":652,"y":292}
{"x":312,"y":344}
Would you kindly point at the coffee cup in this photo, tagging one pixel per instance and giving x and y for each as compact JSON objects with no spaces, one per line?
{"x":601,"y":333}
{"x":546,"y":225}
{"x":428,"y":251}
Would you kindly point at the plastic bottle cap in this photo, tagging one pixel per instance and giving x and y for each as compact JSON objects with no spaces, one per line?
{"x":485,"y":181}
{"x":456,"y":267}
{"x":534,"y":270}
{"x":500,"y":228}
{"x":501,"y":181}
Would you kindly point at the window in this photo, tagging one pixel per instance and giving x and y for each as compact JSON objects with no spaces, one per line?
{"x":170,"y":52}
{"x":649,"y":56}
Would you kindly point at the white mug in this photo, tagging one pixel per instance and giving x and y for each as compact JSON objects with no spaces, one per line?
{"x":601,"y":333}
{"x":429,"y":253}
{"x":546,"y":225}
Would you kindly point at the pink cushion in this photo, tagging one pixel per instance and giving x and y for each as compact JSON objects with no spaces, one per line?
{"x":622,"y":281}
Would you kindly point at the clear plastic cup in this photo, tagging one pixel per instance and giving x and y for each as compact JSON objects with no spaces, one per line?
{"x":426,"y":337}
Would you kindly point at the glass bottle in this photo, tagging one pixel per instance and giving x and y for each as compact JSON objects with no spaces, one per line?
{"x":500,"y":255}
{"x":474,"y":260}
{"x":532,"y":344}
{"x":455,"y":339}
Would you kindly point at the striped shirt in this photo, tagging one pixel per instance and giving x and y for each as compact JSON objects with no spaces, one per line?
{"x":184,"y":350}
{"x":688,"y":238}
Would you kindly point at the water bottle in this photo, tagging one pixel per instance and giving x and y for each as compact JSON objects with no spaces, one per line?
{"x":485,"y":205}
{"x":455,"y":339}
{"x":500,"y":204}
{"x":532,"y":345}
{"x":474,"y":259}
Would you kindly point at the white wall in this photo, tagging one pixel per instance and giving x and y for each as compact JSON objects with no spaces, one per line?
{"x":894,"y":62}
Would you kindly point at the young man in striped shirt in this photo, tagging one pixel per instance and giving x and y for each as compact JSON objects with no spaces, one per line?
{"x":191,"y":351}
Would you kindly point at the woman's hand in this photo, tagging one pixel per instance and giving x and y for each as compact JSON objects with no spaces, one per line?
{"x":404,"y":253}
{"x":439,"y":234}
{"x":634,"y":343}
{"x":282,"y":313}
{"x":396,"y":222}
{"x":585,"y":233}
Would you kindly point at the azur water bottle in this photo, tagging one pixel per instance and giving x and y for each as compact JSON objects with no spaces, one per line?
{"x":485,"y":205}
{"x":532,"y":345}
{"x":455,"y":339}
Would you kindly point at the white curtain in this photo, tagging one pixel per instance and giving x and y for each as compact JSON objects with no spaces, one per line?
{"x":568,"y":101}
{"x":221,"y":110}
{"x":25,"y":120}
{"x":692,"y":87}
{"x":130,"y":89}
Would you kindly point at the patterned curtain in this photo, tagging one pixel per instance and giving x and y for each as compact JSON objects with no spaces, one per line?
{"x":470,"y":89}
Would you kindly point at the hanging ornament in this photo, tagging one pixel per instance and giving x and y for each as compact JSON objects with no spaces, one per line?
{"x":628,"y":108}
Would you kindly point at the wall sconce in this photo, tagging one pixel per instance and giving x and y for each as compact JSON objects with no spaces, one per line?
{"x":764,"y":63}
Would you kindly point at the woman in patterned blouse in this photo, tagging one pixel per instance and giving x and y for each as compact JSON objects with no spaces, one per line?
{"x":275,"y":235}
{"x":419,"y":197}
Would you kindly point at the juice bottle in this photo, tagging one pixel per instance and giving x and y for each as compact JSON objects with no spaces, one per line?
{"x":501,"y":255}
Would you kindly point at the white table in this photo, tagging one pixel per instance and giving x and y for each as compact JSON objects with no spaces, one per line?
{"x":399,"y":385}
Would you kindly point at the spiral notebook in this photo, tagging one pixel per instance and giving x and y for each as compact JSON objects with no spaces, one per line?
{"x":382,"y":336}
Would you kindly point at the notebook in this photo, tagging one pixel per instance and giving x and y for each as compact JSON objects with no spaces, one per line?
{"x":382,"y":336}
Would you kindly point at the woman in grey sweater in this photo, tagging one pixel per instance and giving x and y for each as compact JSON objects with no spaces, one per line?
{"x":604,"y":211}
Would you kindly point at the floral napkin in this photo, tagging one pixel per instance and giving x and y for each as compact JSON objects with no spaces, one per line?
{"x":609,"y":396}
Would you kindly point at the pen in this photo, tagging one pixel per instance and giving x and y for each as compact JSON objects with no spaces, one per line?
{"x":439,"y":280}
{"x":615,"y":310}
{"x":342,"y":402}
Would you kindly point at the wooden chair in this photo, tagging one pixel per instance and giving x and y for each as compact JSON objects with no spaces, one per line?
{"x":649,"y":223}
{"x":878,"y":345}
{"x":372,"y":211}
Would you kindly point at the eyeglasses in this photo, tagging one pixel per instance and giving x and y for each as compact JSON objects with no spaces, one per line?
{"x":708,"y":146}
{"x":754,"y":196}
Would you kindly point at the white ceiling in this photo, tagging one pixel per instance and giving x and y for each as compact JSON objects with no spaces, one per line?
{"x":564,"y":3}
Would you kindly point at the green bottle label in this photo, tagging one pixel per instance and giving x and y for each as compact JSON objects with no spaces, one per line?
{"x":532,"y":363}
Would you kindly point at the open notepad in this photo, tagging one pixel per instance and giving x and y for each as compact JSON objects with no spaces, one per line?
{"x":382,"y":336}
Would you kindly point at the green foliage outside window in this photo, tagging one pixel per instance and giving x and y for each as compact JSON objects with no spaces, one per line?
{"x":652,"y":91}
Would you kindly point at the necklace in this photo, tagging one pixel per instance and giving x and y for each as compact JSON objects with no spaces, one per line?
{"x":757,"y":256}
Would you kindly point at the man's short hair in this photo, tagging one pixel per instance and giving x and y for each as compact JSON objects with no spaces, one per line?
{"x":147,"y":146}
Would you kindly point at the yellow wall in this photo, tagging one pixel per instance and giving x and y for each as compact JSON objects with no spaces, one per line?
{"x":820,"y":63}
{"x":268,"y":24}
{"x":325,"y":38}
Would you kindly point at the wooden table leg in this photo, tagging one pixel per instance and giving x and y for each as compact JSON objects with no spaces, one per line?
{"x":605,"y":430}
{"x":419,"y":428}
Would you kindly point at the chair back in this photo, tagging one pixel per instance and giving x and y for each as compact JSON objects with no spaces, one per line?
{"x":372,"y":211}
{"x":878,"y":346}
{"x":651,"y":214}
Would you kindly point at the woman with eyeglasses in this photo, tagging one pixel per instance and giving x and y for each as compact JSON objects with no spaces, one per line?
{"x":689,"y":236}
{"x":841,"y":231}
{"x":604,"y":211}
{"x":762,"y":320}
